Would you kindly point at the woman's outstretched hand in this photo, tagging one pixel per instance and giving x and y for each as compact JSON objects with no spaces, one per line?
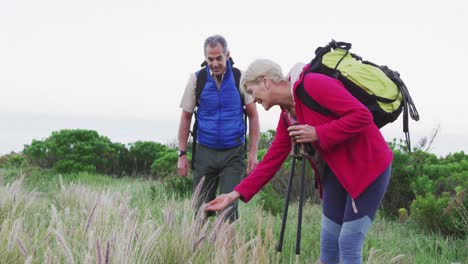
{"x":220,"y":202}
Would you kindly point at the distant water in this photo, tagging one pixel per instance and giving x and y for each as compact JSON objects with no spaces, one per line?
{"x":17,"y":129}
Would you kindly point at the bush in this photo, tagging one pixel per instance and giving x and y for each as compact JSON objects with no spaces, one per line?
{"x":423,"y":175}
{"x":75,"y":151}
{"x":270,"y":200}
{"x":69,"y":166}
{"x":15,"y":160}
{"x":81,"y":150}
{"x":422,"y":185}
{"x":165,"y":165}
{"x":266,"y":138}
{"x":181,"y":186}
{"x":261,"y":153}
{"x":446,"y":214}
{"x":142,"y":154}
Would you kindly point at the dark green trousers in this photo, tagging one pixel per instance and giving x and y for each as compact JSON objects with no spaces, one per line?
{"x":223,"y":169}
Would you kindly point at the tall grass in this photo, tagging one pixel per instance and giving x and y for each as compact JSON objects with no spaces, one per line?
{"x":80,"y":225}
{"x":123,"y":222}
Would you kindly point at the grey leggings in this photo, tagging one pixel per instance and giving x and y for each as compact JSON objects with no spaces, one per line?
{"x":344,"y":228}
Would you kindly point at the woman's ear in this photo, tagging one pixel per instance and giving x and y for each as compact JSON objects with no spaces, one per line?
{"x":266,"y":82}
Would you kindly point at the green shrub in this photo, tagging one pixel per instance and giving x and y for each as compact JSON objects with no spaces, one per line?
{"x":422,"y":185}
{"x":446,"y":214}
{"x":165,"y":165}
{"x":261,"y":153}
{"x":75,"y":151}
{"x":270,"y":200}
{"x":142,"y":154}
{"x":16,"y":160}
{"x":69,"y":166}
{"x":82,"y":150}
{"x":179,"y":186}
{"x":266,"y":138}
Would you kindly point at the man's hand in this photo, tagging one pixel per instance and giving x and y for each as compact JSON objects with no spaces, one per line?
{"x":251,"y":162}
{"x":303,"y":133}
{"x":183,"y":166}
{"x":220,"y":202}
{"x":184,"y":131}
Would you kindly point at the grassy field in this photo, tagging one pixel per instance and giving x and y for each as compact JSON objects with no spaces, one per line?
{"x":85,"y":218}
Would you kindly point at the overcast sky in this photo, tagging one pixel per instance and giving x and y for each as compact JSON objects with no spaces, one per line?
{"x":131,"y":59}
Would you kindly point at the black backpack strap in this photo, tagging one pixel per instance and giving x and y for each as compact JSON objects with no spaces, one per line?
{"x":194,"y":133}
{"x":409,"y":108}
{"x":309,"y":101}
{"x":237,"y":77}
{"x":201,"y":81}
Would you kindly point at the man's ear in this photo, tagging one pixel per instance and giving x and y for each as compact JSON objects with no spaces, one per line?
{"x":228,"y":55}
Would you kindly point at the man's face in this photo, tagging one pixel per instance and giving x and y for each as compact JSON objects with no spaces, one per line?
{"x":216,"y":59}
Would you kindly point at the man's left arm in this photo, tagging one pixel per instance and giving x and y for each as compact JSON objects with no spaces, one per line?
{"x":254,"y":135}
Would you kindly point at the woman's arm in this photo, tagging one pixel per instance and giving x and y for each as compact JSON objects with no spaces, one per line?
{"x":265,"y":170}
{"x":271,"y":163}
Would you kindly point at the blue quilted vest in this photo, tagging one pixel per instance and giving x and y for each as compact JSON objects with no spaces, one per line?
{"x":220,"y":113}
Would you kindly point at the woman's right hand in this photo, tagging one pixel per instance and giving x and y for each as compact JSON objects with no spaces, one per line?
{"x":220,"y":202}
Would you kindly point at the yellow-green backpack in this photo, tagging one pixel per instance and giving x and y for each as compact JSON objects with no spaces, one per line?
{"x":379,"y":88}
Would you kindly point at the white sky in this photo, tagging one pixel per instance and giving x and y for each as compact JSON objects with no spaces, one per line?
{"x":131,"y":59}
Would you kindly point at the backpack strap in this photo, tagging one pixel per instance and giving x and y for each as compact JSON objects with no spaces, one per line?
{"x":237,"y":76}
{"x":408,"y":105}
{"x":201,"y":81}
{"x":309,"y":101}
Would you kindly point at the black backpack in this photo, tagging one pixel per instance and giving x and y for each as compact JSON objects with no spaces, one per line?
{"x":201,"y":81}
{"x":379,"y":88}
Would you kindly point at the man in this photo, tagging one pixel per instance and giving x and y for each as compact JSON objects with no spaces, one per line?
{"x":220,"y":154}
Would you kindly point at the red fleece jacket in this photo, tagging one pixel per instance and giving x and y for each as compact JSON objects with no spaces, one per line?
{"x":349,"y":141}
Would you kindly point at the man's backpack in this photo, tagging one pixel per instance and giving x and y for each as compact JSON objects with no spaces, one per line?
{"x":201,"y":81}
{"x":379,"y":88}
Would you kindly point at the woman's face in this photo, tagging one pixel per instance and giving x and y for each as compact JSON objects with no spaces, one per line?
{"x":260,"y":91}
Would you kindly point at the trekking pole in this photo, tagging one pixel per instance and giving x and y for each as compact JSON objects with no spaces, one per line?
{"x":279,"y":247}
{"x":301,"y":202}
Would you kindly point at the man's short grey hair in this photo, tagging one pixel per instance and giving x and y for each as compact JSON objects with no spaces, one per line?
{"x":260,"y":68}
{"x":212,"y":41}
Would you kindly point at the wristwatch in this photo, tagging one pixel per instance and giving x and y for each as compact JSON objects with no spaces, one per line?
{"x":180,"y":153}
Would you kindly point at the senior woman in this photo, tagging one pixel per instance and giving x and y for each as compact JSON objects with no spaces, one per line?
{"x":358,"y":160}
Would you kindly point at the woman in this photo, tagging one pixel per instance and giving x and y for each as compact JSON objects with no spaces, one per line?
{"x":357,"y":157}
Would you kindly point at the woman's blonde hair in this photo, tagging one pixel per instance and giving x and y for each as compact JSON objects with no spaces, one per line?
{"x":260,"y":68}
